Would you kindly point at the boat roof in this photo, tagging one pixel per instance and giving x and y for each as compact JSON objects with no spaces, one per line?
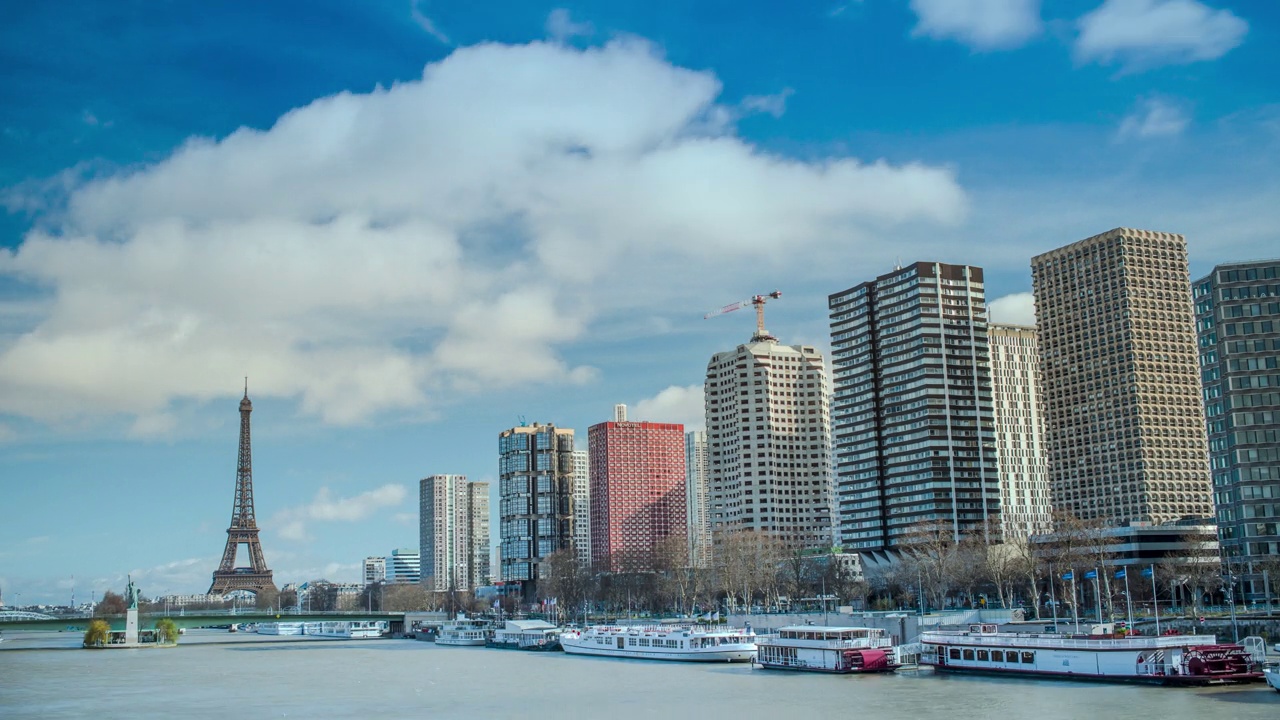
{"x":822,"y":628}
{"x":528,"y":625}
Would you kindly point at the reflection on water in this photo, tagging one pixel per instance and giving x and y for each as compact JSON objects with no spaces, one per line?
{"x":403,"y":678}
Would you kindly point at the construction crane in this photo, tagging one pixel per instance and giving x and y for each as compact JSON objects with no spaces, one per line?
{"x":758,"y":301}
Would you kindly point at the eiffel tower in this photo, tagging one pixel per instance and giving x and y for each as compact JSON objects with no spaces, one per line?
{"x":244,"y":527}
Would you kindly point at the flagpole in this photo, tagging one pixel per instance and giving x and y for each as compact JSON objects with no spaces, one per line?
{"x":1128,"y":599}
{"x":1155,"y":598}
{"x":1097,"y":593}
{"x":1053,"y":596}
{"x":1075,"y":601}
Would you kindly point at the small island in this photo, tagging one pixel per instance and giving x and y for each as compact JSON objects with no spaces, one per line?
{"x":100,"y":636}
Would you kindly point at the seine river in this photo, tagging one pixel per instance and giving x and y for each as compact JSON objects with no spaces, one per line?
{"x":410,"y":679}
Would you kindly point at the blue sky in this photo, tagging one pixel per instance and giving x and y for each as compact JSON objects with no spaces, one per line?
{"x":412,"y":224}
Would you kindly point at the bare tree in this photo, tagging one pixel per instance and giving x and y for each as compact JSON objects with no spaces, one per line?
{"x":747,"y":564}
{"x":407,"y":597}
{"x":566,"y":581}
{"x":930,"y":545}
{"x":266,"y":599}
{"x":110,"y":604}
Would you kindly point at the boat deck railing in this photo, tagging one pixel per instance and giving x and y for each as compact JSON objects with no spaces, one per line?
{"x":1043,"y":640}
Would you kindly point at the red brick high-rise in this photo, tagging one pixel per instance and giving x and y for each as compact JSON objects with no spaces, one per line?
{"x":637,"y":495}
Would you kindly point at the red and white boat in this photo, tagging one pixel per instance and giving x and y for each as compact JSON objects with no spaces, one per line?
{"x":1165,"y":659}
{"x":815,"y":648}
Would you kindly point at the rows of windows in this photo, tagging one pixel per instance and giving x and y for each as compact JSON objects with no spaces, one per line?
{"x":1026,"y":657}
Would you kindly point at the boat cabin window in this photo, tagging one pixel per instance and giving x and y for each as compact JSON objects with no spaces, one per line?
{"x":1028,"y":657}
{"x":983,"y":655}
{"x":954,"y":653}
{"x":968,"y":653}
{"x":997,"y":656}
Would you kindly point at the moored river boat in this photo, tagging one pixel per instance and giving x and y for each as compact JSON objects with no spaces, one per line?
{"x":816,"y":648}
{"x":662,"y":642}
{"x":1162,"y":659}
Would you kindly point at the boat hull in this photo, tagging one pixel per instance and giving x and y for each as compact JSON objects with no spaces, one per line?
{"x":829,"y":671}
{"x":459,"y":643}
{"x":546,"y":647}
{"x":1272,"y":676}
{"x":1174,"y":680}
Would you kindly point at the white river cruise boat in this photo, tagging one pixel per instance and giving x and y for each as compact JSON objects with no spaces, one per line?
{"x":280,"y":628}
{"x":352,"y":629}
{"x":464,"y":631}
{"x":662,"y":642}
{"x":1164,"y":659}
{"x":536,"y":635}
{"x":827,"y":649}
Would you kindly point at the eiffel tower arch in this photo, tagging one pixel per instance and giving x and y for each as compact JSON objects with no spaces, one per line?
{"x":244,"y":525}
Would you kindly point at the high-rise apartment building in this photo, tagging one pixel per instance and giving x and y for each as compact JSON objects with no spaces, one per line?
{"x":582,"y":507}
{"x":912,"y":418}
{"x":478,"y":504}
{"x":1237,"y":310}
{"x":404,"y":566}
{"x":769,"y":442}
{"x":375,"y":570}
{"x":637,"y":496}
{"x":697,"y":499}
{"x":1025,"y":500}
{"x":1121,"y":385}
{"x":535,"y":469}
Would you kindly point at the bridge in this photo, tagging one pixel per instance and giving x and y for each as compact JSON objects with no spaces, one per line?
{"x":200,"y":618}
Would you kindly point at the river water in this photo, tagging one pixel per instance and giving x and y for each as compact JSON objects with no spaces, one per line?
{"x":260,"y":677}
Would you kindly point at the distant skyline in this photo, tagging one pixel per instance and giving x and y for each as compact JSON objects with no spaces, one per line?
{"x":412,"y":224}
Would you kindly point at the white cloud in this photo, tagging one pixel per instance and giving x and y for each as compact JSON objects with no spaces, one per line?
{"x":426,"y":23}
{"x":675,"y":404}
{"x":979,"y":24}
{"x":291,"y":523}
{"x":1144,"y":33}
{"x":178,"y":576}
{"x":561,"y":27}
{"x":1152,"y":118}
{"x":380,"y":253}
{"x":774,"y":105}
{"x":1015,"y":309}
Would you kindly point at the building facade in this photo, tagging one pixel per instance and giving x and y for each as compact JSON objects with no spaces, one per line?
{"x":1237,"y":310}
{"x":1119,"y":375}
{"x":913,"y":424}
{"x":481,"y":547}
{"x":697,"y":499}
{"x":1025,"y":501}
{"x":404,"y":566}
{"x":637,"y":496}
{"x":769,"y":443}
{"x":535,"y":469}
{"x":582,"y":507}
{"x":453,"y":532}
{"x":375,"y":570}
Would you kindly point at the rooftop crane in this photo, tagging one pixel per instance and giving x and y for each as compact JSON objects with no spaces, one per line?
{"x":758,"y":301}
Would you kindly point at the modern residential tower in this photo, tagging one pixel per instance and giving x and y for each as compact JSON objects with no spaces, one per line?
{"x":1120,"y":379}
{"x":1025,"y":500}
{"x":1237,"y":310}
{"x":582,"y":507}
{"x":535,"y":469}
{"x":637,"y":496}
{"x":696,"y":498}
{"x":912,"y":417}
{"x":769,"y":442}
